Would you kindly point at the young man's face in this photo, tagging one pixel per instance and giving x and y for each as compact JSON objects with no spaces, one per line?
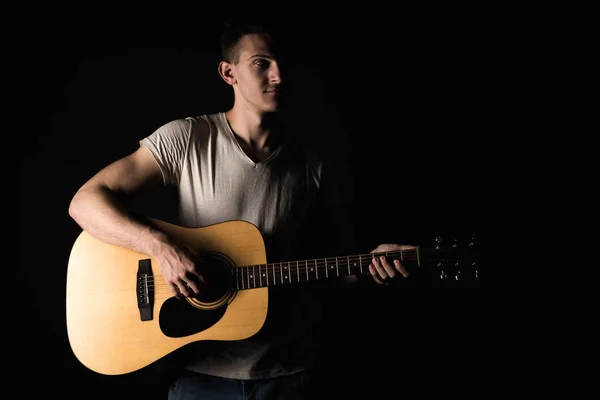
{"x":257,"y":75}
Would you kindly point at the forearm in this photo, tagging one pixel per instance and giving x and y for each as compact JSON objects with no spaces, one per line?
{"x":98,"y":211}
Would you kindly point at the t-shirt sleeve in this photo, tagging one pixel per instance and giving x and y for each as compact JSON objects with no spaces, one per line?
{"x":169,"y":144}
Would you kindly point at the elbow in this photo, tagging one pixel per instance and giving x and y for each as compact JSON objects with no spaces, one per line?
{"x":73,"y":209}
{"x":78,"y":204}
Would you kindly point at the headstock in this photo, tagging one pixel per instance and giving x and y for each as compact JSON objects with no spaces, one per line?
{"x":454,"y":262}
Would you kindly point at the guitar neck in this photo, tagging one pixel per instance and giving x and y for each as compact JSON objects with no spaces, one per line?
{"x":287,"y":272}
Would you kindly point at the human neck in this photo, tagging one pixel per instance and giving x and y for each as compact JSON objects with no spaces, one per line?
{"x":255,"y":132}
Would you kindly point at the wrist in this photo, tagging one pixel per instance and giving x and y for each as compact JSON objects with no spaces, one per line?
{"x":155,"y":242}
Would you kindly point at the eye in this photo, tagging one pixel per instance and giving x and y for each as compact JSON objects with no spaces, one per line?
{"x":261,"y":63}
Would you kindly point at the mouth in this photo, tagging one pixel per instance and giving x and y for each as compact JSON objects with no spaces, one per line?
{"x":275,"y":89}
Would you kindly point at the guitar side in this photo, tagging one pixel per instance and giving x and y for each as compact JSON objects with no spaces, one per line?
{"x":105,"y":330}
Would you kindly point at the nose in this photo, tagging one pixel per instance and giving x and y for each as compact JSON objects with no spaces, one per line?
{"x":275,"y":74}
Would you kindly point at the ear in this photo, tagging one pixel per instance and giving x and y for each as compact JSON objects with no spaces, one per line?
{"x":226,"y":72}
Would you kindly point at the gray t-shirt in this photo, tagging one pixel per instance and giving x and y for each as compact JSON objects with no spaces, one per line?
{"x":217,"y":182}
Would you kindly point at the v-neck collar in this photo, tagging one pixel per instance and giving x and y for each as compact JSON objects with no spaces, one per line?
{"x":232,"y":136}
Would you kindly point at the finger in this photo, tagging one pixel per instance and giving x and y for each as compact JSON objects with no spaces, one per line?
{"x":191,"y":284}
{"x":385,"y":272}
{"x":380,"y":271}
{"x":176,"y":292}
{"x":388,"y":267}
{"x":197,"y":282}
{"x":185,"y":289}
{"x":375,"y":275}
{"x":401,"y":268}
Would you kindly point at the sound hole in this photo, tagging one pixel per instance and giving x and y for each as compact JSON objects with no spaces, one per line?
{"x":217,"y":270}
{"x":182,"y":318}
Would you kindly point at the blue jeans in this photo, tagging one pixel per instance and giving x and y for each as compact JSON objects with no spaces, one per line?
{"x":193,"y":386}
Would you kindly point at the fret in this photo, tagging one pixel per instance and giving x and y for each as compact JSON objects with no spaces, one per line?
{"x":267,"y":274}
{"x":291,"y":275}
{"x":348,"y":260}
{"x":307,"y":277}
{"x":245,"y":276}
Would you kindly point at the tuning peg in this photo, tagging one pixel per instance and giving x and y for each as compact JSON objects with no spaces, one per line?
{"x":456,"y":272}
{"x":443,"y":274}
{"x":438,"y":240}
{"x":472,"y":242}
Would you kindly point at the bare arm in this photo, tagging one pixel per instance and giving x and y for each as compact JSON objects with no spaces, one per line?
{"x":97,"y":209}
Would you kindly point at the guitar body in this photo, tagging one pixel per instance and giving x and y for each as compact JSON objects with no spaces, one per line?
{"x":121,"y":316}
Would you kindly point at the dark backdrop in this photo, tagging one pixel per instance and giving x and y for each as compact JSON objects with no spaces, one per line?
{"x":405,"y":105}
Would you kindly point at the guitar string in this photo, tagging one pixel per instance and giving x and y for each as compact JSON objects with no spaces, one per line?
{"x":313,"y":267}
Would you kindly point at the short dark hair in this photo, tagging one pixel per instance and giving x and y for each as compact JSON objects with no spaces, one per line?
{"x":235,"y":29}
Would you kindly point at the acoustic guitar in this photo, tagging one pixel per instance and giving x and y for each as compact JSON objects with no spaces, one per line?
{"x":121,"y":316}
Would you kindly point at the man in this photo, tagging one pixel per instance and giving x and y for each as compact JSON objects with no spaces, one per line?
{"x":233,"y":165}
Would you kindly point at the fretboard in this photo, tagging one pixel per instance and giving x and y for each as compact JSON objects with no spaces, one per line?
{"x":287,"y":272}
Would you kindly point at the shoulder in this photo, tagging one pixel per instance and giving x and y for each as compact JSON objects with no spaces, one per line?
{"x":205,"y":125}
{"x":175,"y":128}
{"x":188,"y":127}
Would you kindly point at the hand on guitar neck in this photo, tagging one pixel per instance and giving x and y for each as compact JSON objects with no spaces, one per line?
{"x":383,"y":269}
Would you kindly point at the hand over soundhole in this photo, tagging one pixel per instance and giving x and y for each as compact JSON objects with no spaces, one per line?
{"x":218,"y":272}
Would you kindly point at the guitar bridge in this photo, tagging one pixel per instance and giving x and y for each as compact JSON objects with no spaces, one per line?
{"x":145,"y":290}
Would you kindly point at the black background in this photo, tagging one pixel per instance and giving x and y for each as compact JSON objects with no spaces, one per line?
{"x":406,"y":101}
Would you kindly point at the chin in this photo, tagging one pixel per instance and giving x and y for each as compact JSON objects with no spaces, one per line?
{"x":272,"y":107}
